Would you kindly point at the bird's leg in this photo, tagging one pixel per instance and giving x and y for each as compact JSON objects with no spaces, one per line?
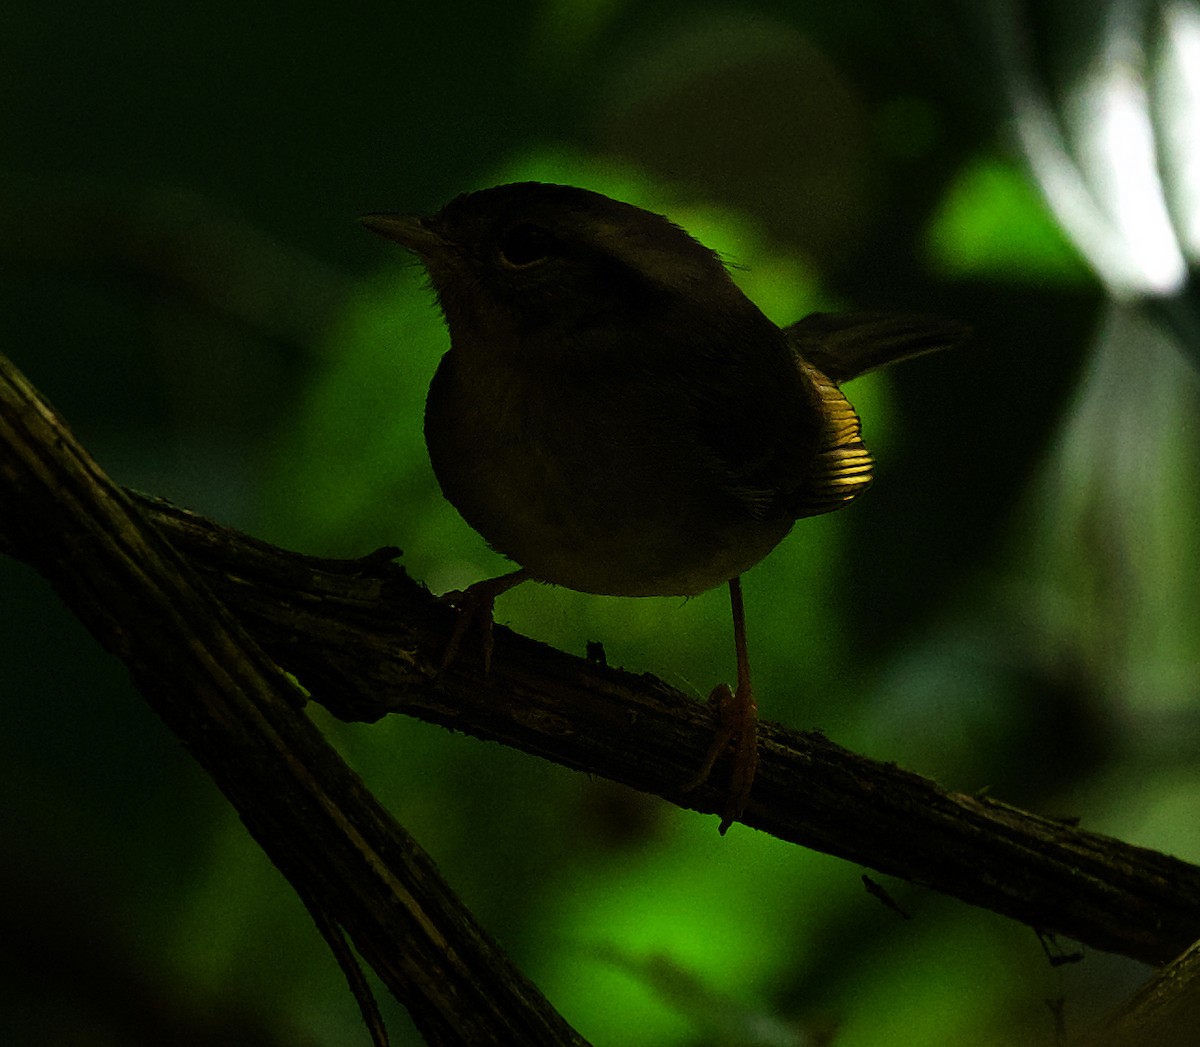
{"x":737,"y":723}
{"x":474,"y":603}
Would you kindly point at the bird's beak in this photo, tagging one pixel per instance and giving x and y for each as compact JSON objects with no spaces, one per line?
{"x":407,"y":230}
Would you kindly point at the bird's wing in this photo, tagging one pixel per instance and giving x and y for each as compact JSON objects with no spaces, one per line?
{"x":813,"y":459}
{"x":841,"y":469}
{"x":801,"y":451}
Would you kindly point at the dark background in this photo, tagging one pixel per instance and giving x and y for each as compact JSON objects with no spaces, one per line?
{"x":1013,"y":607}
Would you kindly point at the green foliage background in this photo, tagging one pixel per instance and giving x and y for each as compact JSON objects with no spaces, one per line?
{"x":1013,"y":607}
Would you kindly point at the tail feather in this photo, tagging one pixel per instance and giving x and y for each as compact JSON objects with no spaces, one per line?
{"x":845,"y":346}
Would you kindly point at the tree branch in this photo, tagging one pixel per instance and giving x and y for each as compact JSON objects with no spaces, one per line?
{"x":365,"y":640}
{"x":239,"y":715}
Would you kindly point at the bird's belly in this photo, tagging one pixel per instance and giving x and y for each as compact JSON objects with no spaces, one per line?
{"x":629,"y":548}
{"x":640,"y":564}
{"x":604,"y":520}
{"x":635,"y":549}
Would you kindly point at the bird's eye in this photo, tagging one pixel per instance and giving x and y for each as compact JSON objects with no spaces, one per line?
{"x":525,"y":245}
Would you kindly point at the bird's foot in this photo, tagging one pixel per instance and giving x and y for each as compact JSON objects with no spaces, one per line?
{"x":470,"y":606}
{"x":475,"y":604}
{"x":736,"y":714}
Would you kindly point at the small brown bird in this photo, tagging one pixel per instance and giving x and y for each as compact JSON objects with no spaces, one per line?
{"x":615,"y":416}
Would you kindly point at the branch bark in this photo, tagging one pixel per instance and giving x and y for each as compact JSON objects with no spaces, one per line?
{"x":365,"y":641}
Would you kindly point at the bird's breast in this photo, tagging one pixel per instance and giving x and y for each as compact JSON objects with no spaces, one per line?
{"x":596,"y":486}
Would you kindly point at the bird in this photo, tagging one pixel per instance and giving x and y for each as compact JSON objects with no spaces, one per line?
{"x":615,"y":416}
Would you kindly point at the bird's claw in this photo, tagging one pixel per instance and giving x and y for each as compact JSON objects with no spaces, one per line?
{"x":475,"y":603}
{"x":736,"y":713}
{"x":470,"y":604}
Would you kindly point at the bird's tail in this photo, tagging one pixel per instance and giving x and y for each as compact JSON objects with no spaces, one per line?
{"x":844,"y":346}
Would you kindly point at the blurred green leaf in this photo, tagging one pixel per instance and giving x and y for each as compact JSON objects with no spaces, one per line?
{"x":993,"y":224}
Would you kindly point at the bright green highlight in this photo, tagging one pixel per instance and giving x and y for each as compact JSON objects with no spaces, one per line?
{"x":676,"y":939}
{"x":993,"y":224}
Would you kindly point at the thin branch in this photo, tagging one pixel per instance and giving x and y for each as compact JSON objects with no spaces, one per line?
{"x":239,"y":715}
